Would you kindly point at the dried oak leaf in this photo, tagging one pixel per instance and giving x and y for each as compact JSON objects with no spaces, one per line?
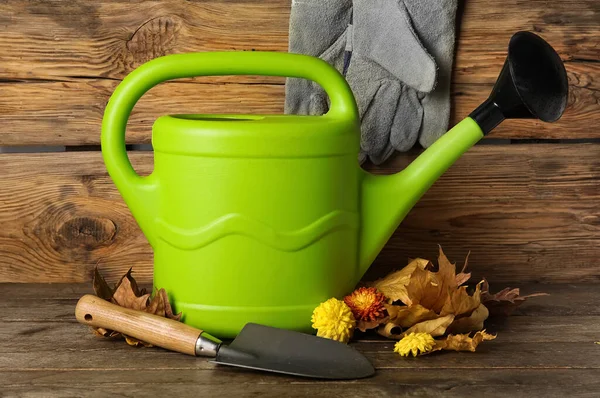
{"x":434,"y":299}
{"x":363,"y":325}
{"x":460,"y":302}
{"x":505,"y":301}
{"x":435,"y":327}
{"x":462,"y":276}
{"x":127,"y":294}
{"x":407,"y":316}
{"x":101,"y":288}
{"x":470,"y":323}
{"x":432,"y":289}
{"x":462,"y":342}
{"x":393,"y":286}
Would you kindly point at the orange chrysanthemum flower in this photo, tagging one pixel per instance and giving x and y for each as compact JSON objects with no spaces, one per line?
{"x":366,"y":304}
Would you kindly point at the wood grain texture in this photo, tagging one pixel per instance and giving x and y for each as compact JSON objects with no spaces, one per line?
{"x":387,"y":383}
{"x":526,"y":212}
{"x":62,"y":215}
{"x":86,"y":355}
{"x":70,"y":112}
{"x":60,"y":61}
{"x":111,"y":38}
{"x":535,"y":354}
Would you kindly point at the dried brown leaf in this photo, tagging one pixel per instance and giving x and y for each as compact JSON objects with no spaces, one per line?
{"x":463,"y":342}
{"x":125,"y":294}
{"x":101,"y":288}
{"x":435,"y":327}
{"x":470,"y":323}
{"x":425,"y":290}
{"x":363,"y":325}
{"x":157,"y":304}
{"x":135,"y":342}
{"x":431,"y":289}
{"x":407,"y":316}
{"x":460,"y":302}
{"x":462,"y":276}
{"x":393,"y":286}
{"x":505,"y":301}
{"x":128,"y":294}
{"x":390,"y":330}
{"x":164,"y":306}
{"x":446,"y":274}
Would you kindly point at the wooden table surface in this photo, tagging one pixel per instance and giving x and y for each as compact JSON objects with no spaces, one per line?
{"x":547,"y":349}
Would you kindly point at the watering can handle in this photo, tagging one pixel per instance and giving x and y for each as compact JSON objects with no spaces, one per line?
{"x":140,"y":192}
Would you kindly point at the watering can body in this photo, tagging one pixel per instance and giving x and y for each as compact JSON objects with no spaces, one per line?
{"x":253,"y":220}
{"x":259,"y":218}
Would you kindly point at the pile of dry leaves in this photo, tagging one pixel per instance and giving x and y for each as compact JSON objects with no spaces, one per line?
{"x":423,"y":302}
{"x":126,"y":293}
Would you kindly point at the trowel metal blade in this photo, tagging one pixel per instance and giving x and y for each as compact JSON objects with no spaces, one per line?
{"x":282,"y":351}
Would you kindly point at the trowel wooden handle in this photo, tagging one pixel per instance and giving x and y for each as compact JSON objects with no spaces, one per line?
{"x":153,"y":329}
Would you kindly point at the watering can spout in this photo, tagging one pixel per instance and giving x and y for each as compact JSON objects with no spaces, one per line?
{"x":532,"y":84}
{"x":386,"y":200}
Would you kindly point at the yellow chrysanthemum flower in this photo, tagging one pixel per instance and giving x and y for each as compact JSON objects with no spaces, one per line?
{"x":333,"y":319}
{"x":415,"y":343}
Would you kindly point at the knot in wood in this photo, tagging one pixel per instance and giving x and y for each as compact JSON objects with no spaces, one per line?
{"x":88,"y":232}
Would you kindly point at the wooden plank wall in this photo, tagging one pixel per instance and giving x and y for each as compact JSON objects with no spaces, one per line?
{"x":527,"y":209}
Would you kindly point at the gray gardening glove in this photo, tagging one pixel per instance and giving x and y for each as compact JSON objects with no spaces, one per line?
{"x":434,"y":22}
{"x":383,"y":77}
{"x":315,"y":26}
{"x":387,"y":53}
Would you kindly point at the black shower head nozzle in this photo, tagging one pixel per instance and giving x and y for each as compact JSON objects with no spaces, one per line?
{"x":532,"y":84}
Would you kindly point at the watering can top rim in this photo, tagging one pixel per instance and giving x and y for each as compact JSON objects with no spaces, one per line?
{"x":253,"y":135}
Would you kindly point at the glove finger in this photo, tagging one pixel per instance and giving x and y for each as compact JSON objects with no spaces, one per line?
{"x":362,"y":157}
{"x":434,"y":20}
{"x":334,"y":55}
{"x":377,"y":97}
{"x":305,"y":97}
{"x":407,"y":120}
{"x":436,"y":117}
{"x":380,"y":158}
{"x":300,"y":97}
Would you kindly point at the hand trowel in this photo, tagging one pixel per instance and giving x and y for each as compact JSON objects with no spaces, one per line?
{"x":256,"y":347}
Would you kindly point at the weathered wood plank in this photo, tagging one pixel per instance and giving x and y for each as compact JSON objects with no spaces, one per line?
{"x":486,"y":27}
{"x":56,"y":301}
{"x":49,"y":95}
{"x":47,"y":331}
{"x":73,"y":219}
{"x":421,"y":382}
{"x":522,"y":217}
{"x":70,"y":112}
{"x":493,"y":354}
{"x":110,"y":38}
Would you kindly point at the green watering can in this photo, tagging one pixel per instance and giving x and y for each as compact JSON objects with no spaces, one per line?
{"x":259,"y":218}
